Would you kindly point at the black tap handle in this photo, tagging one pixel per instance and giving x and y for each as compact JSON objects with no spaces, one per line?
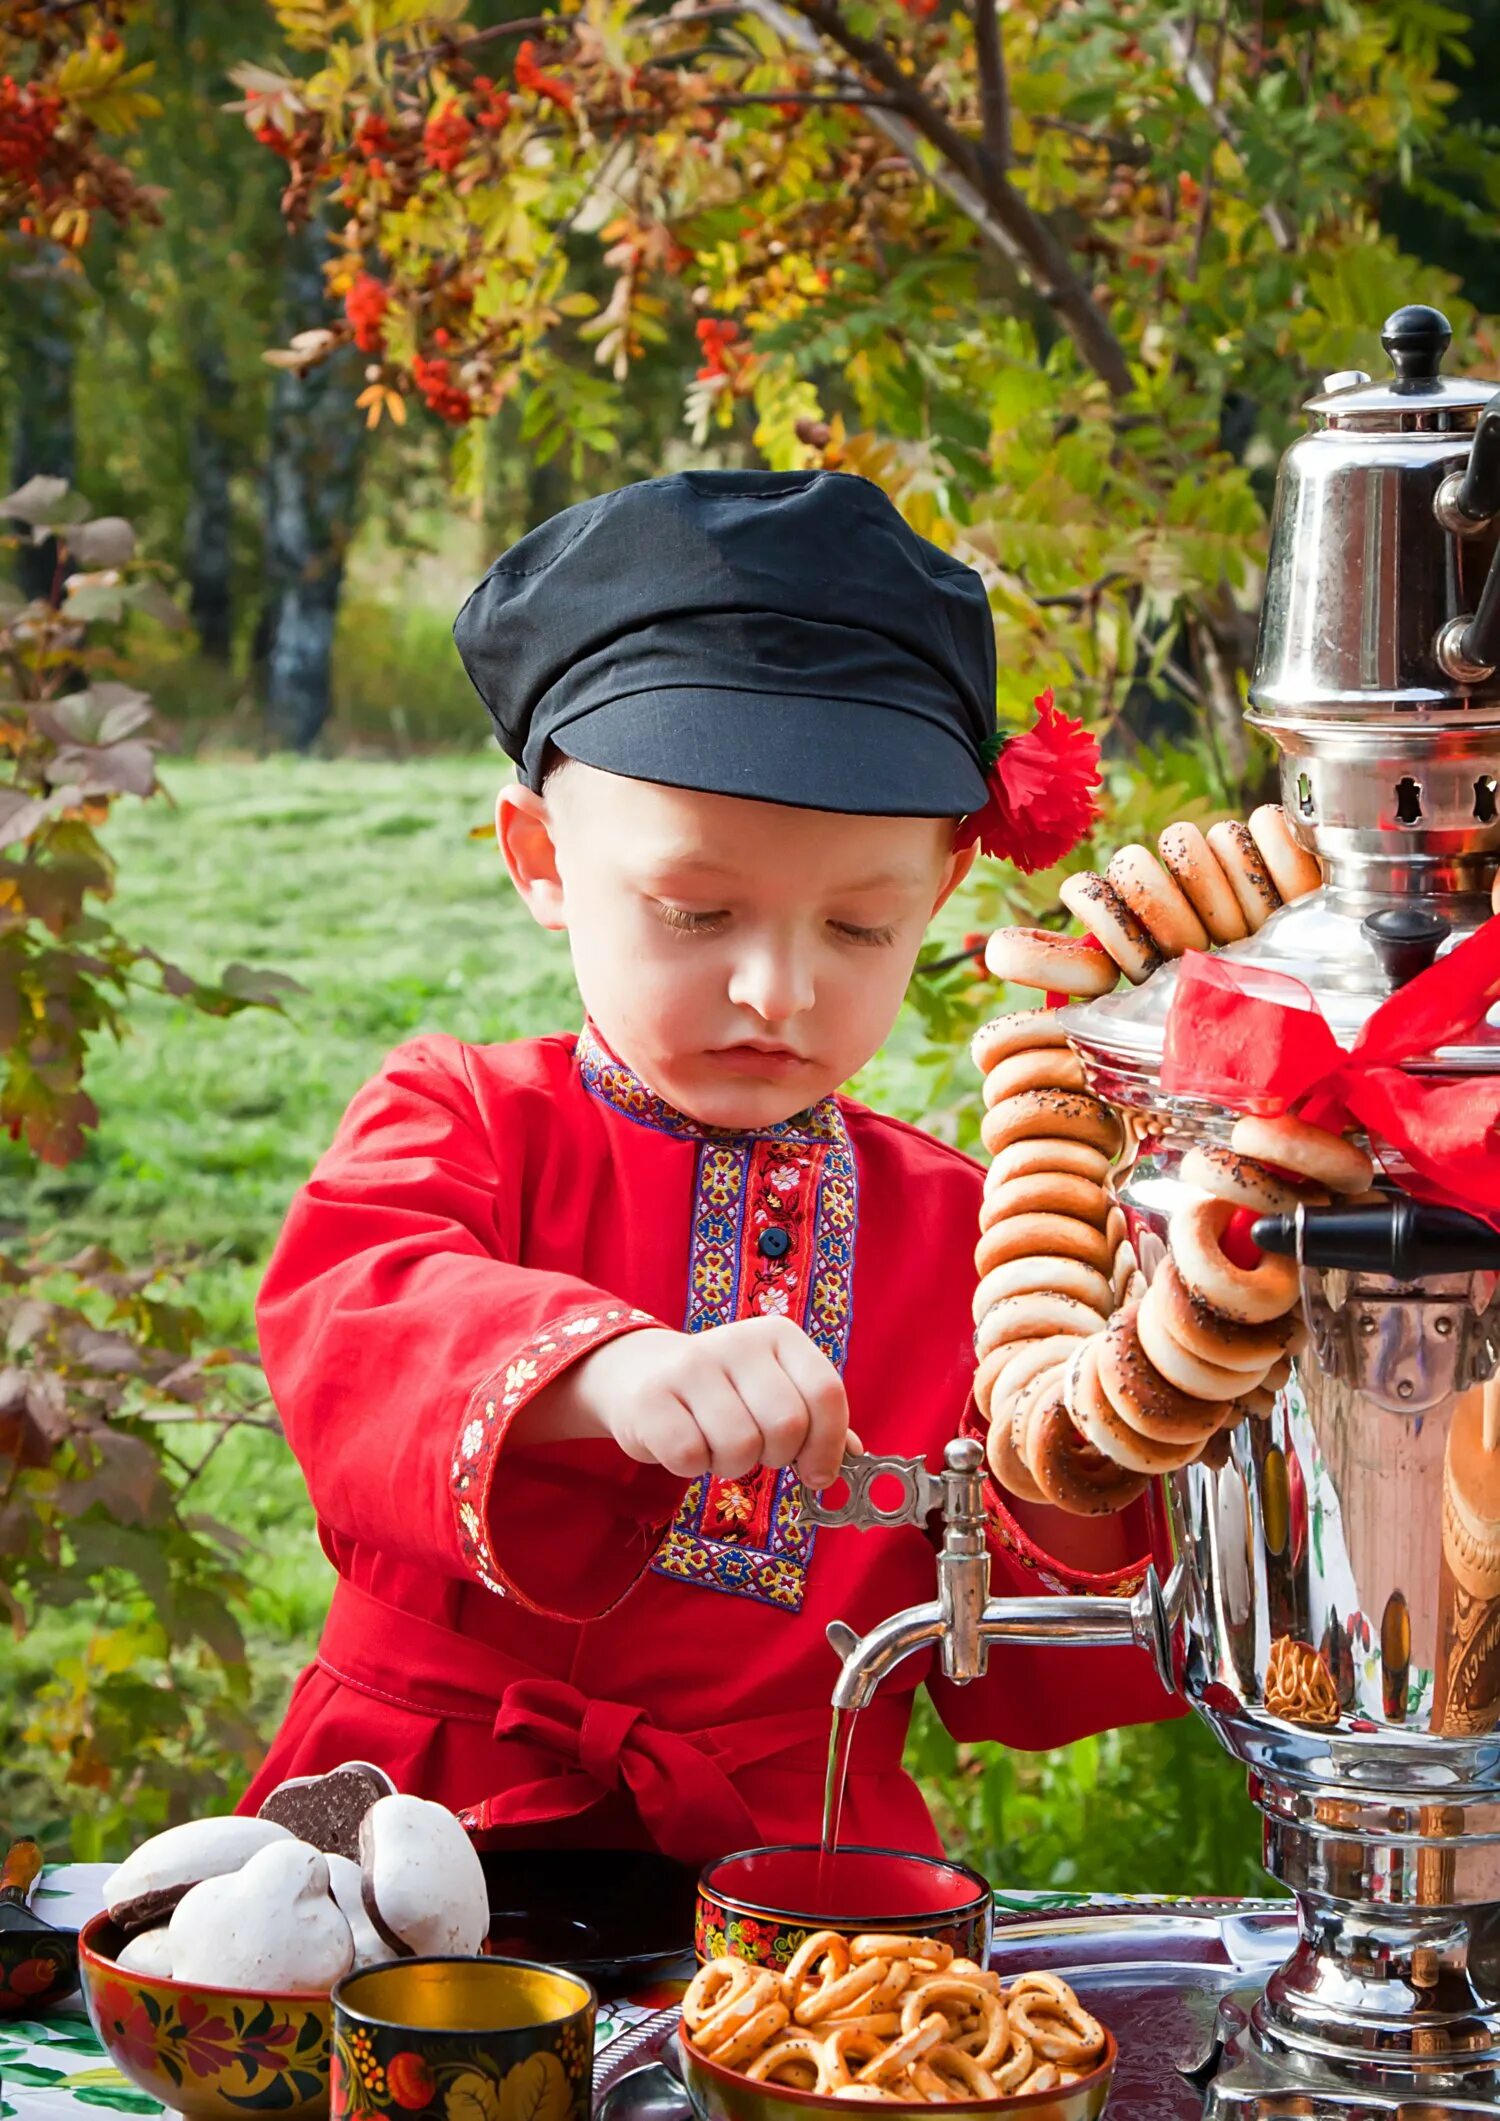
{"x":1416,"y":338}
{"x":1479,"y":643}
{"x":1406,"y":940}
{"x":1477,"y":494}
{"x":1404,"y":1238}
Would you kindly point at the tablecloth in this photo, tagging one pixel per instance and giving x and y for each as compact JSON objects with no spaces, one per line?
{"x":53,"y":2067}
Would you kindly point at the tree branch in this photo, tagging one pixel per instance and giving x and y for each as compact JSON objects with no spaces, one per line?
{"x":810,"y":97}
{"x":1001,"y":217}
{"x":994,"y":89}
{"x":1205,"y":87}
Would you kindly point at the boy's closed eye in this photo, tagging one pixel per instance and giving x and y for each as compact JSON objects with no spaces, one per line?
{"x":689,"y":921}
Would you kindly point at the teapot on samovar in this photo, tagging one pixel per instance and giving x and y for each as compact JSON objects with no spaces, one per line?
{"x":1376,"y":678}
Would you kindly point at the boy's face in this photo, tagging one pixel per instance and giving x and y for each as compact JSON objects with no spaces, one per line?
{"x":744,"y":958}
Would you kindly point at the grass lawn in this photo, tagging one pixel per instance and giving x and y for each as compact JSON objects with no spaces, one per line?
{"x":360,"y":880}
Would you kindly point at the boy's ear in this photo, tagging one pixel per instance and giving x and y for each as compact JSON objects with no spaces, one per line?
{"x":960,"y":862}
{"x":523,"y":828}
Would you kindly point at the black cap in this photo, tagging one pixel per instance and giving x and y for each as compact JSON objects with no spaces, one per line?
{"x":780,"y":635}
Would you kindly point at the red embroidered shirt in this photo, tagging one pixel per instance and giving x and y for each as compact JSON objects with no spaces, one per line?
{"x":556,"y":1642}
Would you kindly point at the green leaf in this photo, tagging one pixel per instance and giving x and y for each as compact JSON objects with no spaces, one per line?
{"x":252,"y":983}
{"x":94,"y":601}
{"x":44,"y":502}
{"x":121,"y":2098}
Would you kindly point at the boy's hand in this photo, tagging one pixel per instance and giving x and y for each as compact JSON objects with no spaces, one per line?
{"x":757,"y":1392}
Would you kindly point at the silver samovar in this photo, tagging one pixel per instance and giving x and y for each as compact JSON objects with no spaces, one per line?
{"x":1361,"y":1521}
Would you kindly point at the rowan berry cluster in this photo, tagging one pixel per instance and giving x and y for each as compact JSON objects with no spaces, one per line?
{"x":29,"y":120}
{"x":432,"y":376}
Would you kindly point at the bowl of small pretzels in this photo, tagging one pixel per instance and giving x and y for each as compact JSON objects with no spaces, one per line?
{"x":890,"y":2021}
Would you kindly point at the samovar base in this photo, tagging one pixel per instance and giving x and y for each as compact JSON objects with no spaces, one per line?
{"x":1258,"y":2079}
{"x":1397,"y":1965}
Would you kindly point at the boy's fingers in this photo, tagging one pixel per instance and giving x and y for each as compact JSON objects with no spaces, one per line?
{"x":781,"y":1417}
{"x":676,"y":1442}
{"x":822,"y":1391}
{"x":726,"y":1423}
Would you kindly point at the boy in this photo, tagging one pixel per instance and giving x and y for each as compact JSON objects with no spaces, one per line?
{"x":557,"y":1327}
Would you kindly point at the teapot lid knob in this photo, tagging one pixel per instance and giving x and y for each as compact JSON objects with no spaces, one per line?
{"x":1416,"y":338}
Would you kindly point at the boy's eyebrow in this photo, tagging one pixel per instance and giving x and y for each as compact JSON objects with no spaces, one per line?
{"x":687,"y":864}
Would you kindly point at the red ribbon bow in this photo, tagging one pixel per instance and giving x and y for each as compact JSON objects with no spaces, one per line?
{"x":564,"y":1751}
{"x":1256,"y":1041}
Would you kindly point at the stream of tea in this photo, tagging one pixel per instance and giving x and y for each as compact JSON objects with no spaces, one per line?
{"x":840,"y":1743}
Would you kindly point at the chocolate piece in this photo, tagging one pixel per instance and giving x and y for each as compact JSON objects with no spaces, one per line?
{"x":145,"y":1889}
{"x":325,"y":1810}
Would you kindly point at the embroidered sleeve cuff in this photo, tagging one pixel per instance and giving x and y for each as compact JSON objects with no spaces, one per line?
{"x":565,"y":1529}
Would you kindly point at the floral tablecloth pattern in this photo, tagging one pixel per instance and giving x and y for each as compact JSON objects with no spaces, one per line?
{"x":54,"y":2067}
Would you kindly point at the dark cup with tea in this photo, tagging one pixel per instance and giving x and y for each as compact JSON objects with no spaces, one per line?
{"x":760,"y":1905}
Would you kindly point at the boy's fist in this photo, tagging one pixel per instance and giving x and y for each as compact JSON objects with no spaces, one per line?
{"x":757,"y":1392}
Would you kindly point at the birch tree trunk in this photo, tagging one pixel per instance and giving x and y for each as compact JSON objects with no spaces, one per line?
{"x":209,"y":532}
{"x":315,"y":449}
{"x":41,"y":329}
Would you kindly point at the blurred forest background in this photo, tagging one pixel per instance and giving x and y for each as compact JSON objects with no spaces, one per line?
{"x":1067,"y":318}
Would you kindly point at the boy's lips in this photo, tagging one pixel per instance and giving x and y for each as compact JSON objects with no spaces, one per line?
{"x":749,"y":1058}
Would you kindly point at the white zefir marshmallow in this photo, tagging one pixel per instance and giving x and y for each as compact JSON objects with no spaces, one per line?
{"x":424,"y":1886}
{"x":370,"y":1948}
{"x":272,"y":1927}
{"x":149,"y":1883}
{"x":149,"y":1953}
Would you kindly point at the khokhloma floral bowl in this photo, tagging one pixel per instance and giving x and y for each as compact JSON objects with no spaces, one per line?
{"x":760,"y":1905}
{"x":720,"y":2094}
{"x":210,"y":2053}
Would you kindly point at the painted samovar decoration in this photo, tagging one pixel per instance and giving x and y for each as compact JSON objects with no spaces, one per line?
{"x":1334,"y":1608}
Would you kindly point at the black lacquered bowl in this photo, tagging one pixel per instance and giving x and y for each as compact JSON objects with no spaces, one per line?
{"x":37,"y":1969}
{"x":617,"y":1917}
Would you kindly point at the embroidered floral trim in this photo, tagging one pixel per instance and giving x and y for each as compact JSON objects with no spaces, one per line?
{"x":495,"y":1403}
{"x":748,"y":1537}
{"x":613,"y":1083}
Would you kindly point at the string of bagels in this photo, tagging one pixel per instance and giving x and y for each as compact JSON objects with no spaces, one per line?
{"x":1091,"y":1381}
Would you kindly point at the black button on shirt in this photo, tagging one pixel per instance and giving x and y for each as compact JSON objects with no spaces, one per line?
{"x":774,"y":1243}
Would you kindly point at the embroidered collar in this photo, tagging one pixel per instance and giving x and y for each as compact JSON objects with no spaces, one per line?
{"x":613,"y":1083}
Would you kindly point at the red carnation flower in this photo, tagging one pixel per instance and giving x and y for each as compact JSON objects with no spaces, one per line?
{"x":1042,"y":800}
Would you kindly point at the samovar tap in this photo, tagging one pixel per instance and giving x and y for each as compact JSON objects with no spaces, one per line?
{"x":963,"y":1620}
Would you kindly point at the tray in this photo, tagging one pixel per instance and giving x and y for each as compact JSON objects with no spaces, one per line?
{"x":1154,"y":1972}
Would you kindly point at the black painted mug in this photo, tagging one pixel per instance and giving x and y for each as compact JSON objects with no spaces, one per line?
{"x":462,"y":2040}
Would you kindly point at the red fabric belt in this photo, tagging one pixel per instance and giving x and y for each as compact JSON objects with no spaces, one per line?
{"x":559,"y":1750}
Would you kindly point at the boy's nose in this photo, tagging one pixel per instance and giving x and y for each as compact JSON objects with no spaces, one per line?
{"x":776,"y":983}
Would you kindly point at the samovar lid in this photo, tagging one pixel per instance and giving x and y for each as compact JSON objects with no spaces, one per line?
{"x":1417,"y":398}
{"x":1390,"y":762}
